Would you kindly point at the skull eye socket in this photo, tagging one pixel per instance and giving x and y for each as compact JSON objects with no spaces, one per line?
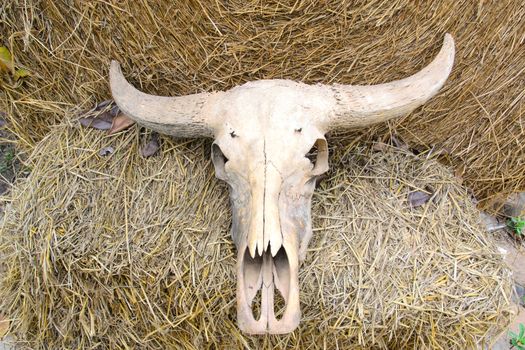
{"x":219,"y":161}
{"x":312,"y":154}
{"x":318,"y":156}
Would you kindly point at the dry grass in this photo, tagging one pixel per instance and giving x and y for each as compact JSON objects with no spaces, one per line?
{"x":123,"y":252}
{"x":120,"y":252}
{"x":187,"y":46}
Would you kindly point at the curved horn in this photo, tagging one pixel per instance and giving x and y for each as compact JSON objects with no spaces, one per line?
{"x":183,"y":116}
{"x":361,"y":105}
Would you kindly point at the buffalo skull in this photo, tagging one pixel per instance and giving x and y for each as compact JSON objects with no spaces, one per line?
{"x":262,"y":132}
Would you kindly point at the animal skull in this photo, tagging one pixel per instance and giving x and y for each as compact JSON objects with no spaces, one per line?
{"x":262,"y":132}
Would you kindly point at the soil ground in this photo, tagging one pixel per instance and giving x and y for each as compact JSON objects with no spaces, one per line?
{"x":513,"y":252}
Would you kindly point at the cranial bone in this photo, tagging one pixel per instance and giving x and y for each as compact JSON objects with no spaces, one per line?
{"x":262,"y":131}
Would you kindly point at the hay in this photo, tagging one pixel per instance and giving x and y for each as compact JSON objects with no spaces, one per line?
{"x":189,"y":46}
{"x":123,"y":252}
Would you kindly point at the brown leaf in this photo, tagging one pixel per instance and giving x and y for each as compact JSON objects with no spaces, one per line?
{"x":379,"y":146}
{"x":396,"y":141}
{"x":151,"y":147}
{"x":100,"y":122}
{"x":4,"y":326}
{"x":418,"y":198}
{"x":120,"y":122}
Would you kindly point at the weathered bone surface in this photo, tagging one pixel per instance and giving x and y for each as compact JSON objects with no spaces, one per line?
{"x":263,"y":132}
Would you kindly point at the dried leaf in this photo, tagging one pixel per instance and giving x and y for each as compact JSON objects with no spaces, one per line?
{"x":102,"y":104}
{"x":21,"y":73}
{"x":94,"y":111}
{"x":106,"y":151}
{"x":396,"y":141}
{"x":120,"y":122}
{"x":418,"y":198}
{"x":114,"y":111}
{"x":6,"y":60}
{"x":4,"y":326}
{"x":151,"y":147}
{"x":100,"y":122}
{"x":515,"y":205}
{"x":3,"y":116}
{"x":379,"y":146}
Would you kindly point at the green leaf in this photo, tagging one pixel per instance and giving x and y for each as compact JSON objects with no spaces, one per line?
{"x":522,"y":330}
{"x":21,"y":73}
{"x":520,"y":226}
{"x":6,"y":60}
{"x":517,"y":225}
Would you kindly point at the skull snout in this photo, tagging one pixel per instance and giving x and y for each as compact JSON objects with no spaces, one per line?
{"x":270,"y":221}
{"x":267,"y":265}
{"x":264,"y":232}
{"x":267,"y":275}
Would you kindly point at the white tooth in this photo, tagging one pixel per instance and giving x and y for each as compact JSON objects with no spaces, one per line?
{"x":252,"y":245}
{"x":260,"y":244}
{"x":266,"y":242}
{"x":276,"y":242}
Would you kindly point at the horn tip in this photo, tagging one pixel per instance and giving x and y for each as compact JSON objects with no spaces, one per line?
{"x":448,"y":43}
{"x":114,"y":67}
{"x":446,"y":55}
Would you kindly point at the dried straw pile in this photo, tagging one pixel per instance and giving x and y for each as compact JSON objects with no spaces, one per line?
{"x":125,"y":252}
{"x":189,"y":46}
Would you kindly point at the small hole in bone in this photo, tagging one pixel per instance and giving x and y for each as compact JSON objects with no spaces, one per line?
{"x":299,"y":130}
{"x":233,"y":134}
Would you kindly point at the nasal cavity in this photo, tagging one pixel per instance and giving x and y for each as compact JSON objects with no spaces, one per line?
{"x":281,"y":282}
{"x":252,"y":272}
{"x":256,"y":305}
{"x":271,"y":274}
{"x":279,"y":305}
